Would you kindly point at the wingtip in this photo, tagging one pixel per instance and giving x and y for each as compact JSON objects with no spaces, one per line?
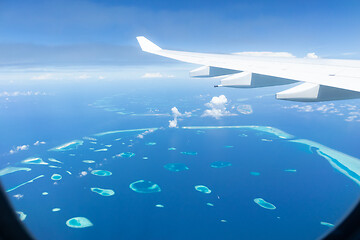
{"x":146,"y":45}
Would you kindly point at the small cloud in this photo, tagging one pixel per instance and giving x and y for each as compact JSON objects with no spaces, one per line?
{"x":84,"y":76}
{"x":266,"y":54}
{"x":19,"y":148}
{"x":18,"y":93}
{"x":312,"y":56}
{"x":37,"y":143}
{"x":101,"y":77}
{"x":217,"y":107}
{"x":177,"y":114}
{"x":45,"y":76}
{"x":156,"y":75}
{"x":141,"y":135}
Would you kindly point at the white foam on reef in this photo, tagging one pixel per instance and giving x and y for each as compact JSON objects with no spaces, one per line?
{"x":68,"y":146}
{"x":35,"y":160}
{"x":271,"y":130}
{"x":54,"y":160}
{"x":101,"y":150}
{"x":123,"y":131}
{"x":144,"y":186}
{"x":88,"y":161}
{"x":79,"y":222}
{"x":56,"y":209}
{"x":9,"y":170}
{"x":347,"y":165}
{"x":22,"y":184}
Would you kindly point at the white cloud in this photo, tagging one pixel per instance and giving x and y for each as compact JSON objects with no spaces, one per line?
{"x":44,"y":76}
{"x":141,"y":135}
{"x":312,"y":55}
{"x":101,"y":77}
{"x":37,"y":143}
{"x":266,"y":54}
{"x":19,"y":148}
{"x":84,"y":76}
{"x":217,"y":107}
{"x":177,"y":114}
{"x":156,"y":75}
{"x":18,"y":93}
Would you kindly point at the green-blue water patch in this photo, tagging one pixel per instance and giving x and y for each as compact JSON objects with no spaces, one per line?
{"x":68,"y":146}
{"x":327,"y":224}
{"x":45,"y":193}
{"x":203,"y":189}
{"x":101,"y":173}
{"x":228,"y":146}
{"x":172,"y":149}
{"x":210,"y":204}
{"x":176,"y":167}
{"x":150,"y":143}
{"x":262,"y":203}
{"x":103,"y":192}
{"x":255,"y":173}
{"x":189,"y":153}
{"x":144,"y":186}
{"x":78,"y":222}
{"x":21,"y":215}
{"x":9,"y":170}
{"x":290,"y":170}
{"x":220,"y":164}
{"x":159,"y":205}
{"x":56,"y":177}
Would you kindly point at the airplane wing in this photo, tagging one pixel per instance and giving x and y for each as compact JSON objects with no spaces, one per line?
{"x":323,"y":79}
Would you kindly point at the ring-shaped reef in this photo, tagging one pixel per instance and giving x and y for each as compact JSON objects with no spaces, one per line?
{"x":56,"y":177}
{"x":101,"y":173}
{"x":126,"y":154}
{"x":79,"y":222}
{"x":176,"y":167}
{"x":144,"y":186}
{"x":220,"y":164}
{"x":203,"y":189}
{"x":103,"y":192}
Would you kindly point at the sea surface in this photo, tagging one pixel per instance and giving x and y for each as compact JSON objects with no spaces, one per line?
{"x":98,"y":160}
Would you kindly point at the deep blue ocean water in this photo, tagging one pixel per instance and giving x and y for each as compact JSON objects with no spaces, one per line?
{"x":316,"y":192}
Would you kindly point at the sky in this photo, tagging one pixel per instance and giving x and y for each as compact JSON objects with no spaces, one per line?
{"x":102,"y":32}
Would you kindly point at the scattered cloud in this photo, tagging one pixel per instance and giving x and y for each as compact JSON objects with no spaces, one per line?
{"x":266,"y":54}
{"x":18,"y":93}
{"x":44,"y":76}
{"x":156,"y":75}
{"x":19,"y":148}
{"x":141,"y":135}
{"x":348,"y":111}
{"x":84,"y":76}
{"x":37,"y":143}
{"x":312,"y":55}
{"x":176,"y":114}
{"x":217,"y":107}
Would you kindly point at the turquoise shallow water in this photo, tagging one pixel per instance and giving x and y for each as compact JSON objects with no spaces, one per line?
{"x":197,"y":181}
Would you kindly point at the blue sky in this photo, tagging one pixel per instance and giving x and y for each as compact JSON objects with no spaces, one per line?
{"x":95,"y":32}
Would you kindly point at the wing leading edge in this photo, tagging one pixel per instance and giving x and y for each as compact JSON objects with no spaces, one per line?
{"x":324,"y":79}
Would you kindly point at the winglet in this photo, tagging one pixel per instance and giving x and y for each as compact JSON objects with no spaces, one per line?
{"x":146,"y":45}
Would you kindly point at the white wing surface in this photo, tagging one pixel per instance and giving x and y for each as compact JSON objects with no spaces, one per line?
{"x":325,"y":79}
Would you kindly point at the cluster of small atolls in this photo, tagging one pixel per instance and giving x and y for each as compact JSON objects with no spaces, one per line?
{"x":103,"y":147}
